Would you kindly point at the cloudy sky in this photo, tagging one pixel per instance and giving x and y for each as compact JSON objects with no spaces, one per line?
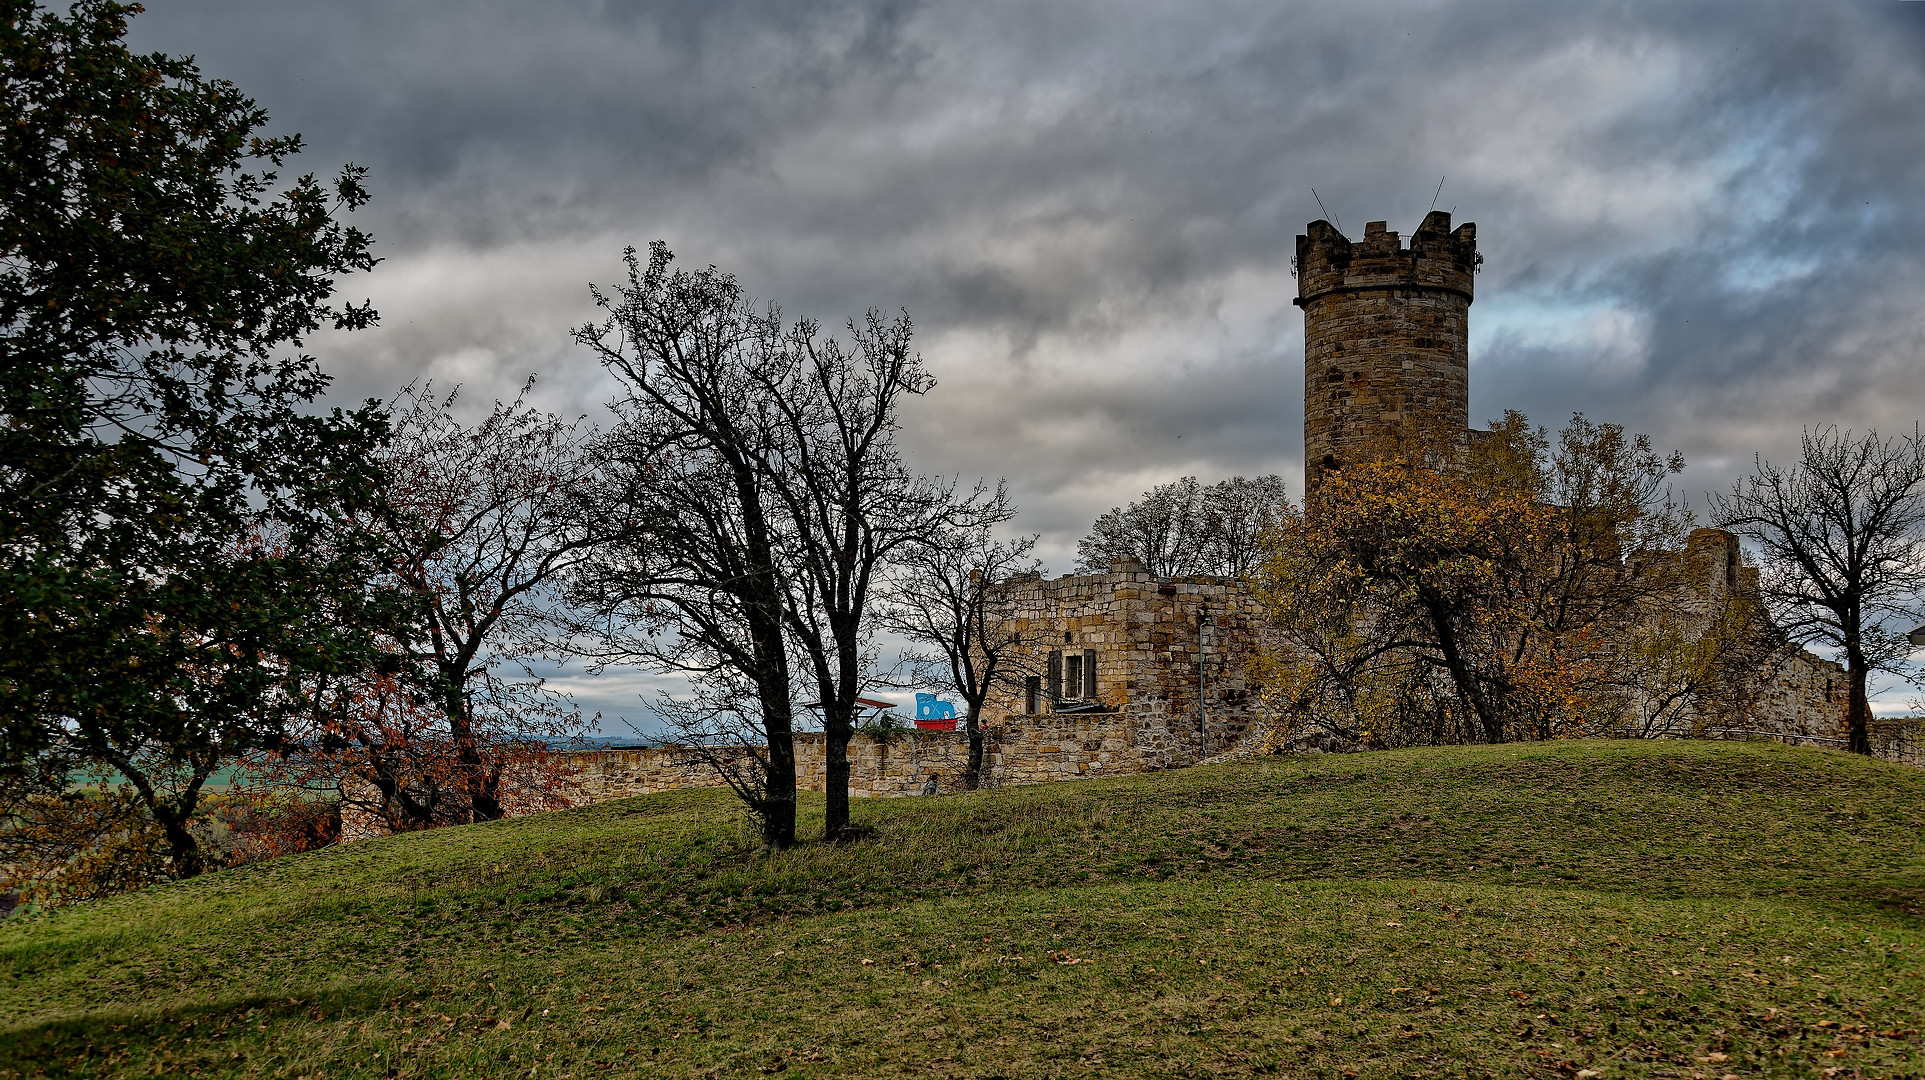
{"x":1700,"y":220}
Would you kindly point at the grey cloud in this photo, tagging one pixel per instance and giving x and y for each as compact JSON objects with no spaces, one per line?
{"x":1699,"y":218}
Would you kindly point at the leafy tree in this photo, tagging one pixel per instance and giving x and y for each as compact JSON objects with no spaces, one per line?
{"x":1485,"y":596}
{"x":1840,"y":537}
{"x":169,"y":500}
{"x":952,"y":600}
{"x":1183,"y":529}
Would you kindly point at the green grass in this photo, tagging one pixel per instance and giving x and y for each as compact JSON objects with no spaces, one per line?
{"x":1554,"y":910}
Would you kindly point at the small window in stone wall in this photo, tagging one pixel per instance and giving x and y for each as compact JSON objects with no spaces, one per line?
{"x":1072,"y":675}
{"x":1032,"y":690}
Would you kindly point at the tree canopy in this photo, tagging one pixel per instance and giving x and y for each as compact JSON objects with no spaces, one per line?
{"x":169,"y":497}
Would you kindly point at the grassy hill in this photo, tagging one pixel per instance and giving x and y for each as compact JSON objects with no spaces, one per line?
{"x":1567,"y":909}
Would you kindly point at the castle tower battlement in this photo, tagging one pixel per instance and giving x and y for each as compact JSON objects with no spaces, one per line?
{"x":1386,"y":339}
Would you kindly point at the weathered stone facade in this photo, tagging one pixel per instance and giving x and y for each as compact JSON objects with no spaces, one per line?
{"x":1166,"y":654}
{"x":1386,"y":338}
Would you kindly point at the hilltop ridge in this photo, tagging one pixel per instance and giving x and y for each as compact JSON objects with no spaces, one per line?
{"x":1616,"y":908}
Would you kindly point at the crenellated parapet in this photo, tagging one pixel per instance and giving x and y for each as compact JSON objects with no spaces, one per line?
{"x":1438,"y":258}
{"x":1386,"y":357}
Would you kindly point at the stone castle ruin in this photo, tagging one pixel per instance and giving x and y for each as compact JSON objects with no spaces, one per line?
{"x":1386,"y":338}
{"x":1138,"y":673}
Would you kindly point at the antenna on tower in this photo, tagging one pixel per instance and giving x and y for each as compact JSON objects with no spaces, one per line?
{"x":1326,"y":213}
{"x":1439,"y":193}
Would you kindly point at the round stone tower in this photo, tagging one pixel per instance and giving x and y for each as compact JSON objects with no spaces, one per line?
{"x":1386,"y":339}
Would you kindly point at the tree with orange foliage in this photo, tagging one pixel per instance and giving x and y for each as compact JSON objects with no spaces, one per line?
{"x":1434,"y":594}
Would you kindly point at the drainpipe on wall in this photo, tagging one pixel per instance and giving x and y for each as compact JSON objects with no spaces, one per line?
{"x":1202,"y":713}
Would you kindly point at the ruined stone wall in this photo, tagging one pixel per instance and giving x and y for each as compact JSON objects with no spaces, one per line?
{"x":1021,"y":750}
{"x":1170,"y":654}
{"x":1386,"y":338}
{"x":1783,"y":690}
{"x":1800,"y":698}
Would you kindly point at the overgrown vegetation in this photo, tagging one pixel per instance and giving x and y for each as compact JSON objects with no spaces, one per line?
{"x":1516,"y":588}
{"x":1567,"y":909}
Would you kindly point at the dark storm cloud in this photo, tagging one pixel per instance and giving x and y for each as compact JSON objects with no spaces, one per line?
{"x":1700,"y":219}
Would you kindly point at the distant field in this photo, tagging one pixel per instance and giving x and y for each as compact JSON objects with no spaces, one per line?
{"x":1551,"y":910}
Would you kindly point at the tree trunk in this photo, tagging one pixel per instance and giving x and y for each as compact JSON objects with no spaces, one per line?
{"x":1464,"y":678}
{"x":835,"y":774}
{"x":973,"y":725}
{"x":186,"y":850}
{"x":778,"y":808}
{"x":182,"y":845}
{"x":483,"y":791}
{"x":1858,"y":706}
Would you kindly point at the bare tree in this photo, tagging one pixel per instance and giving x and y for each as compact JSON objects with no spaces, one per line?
{"x":484,"y":523}
{"x":1162,"y":531}
{"x":1840,"y":552}
{"x":952,"y":598}
{"x":760,"y":492}
{"x":1237,"y":514}
{"x":853,"y":507}
{"x":690,"y":578}
{"x":1182,"y":528}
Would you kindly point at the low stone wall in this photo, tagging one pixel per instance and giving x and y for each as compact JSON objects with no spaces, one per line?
{"x":1018,"y":750}
{"x":1044,"y":749}
{"x":1898,"y":739}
